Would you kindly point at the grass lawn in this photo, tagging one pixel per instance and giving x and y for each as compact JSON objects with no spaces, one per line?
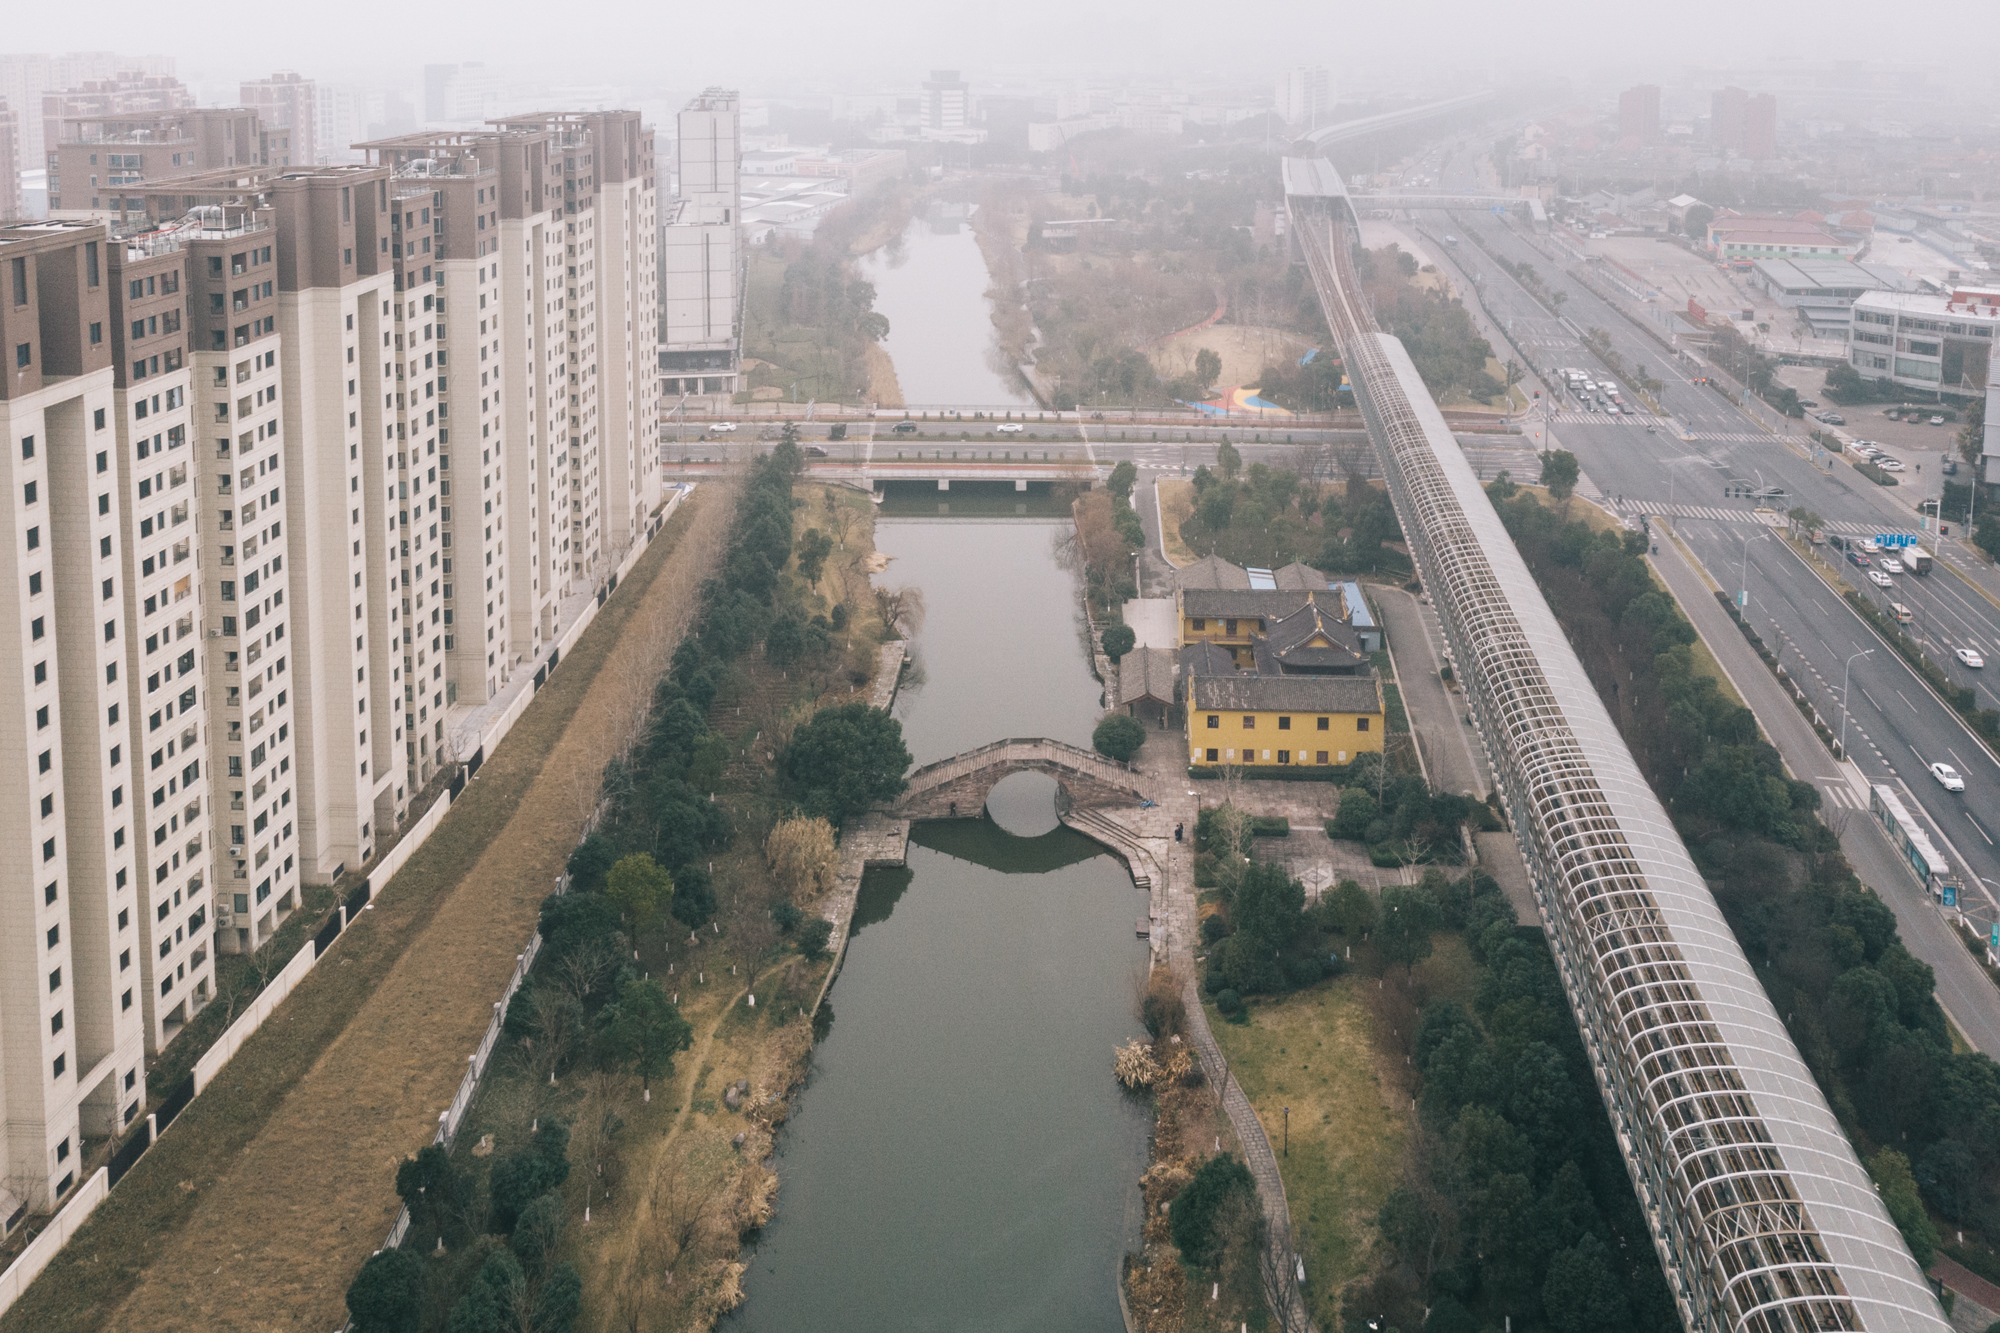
{"x":1315,"y":1052}
{"x":1326,"y":1053}
{"x":1176,"y":505}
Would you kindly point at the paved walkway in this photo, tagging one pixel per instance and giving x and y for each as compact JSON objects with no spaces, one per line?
{"x":1437,"y":715}
{"x":1178,"y":800}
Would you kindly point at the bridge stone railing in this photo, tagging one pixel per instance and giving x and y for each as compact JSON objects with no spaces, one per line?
{"x":959,"y":785}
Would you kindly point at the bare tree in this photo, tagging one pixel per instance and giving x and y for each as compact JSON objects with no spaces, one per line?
{"x":554,"y":1032}
{"x":1277,"y":1274}
{"x":841,"y":520}
{"x":594,"y":1137}
{"x":666,"y":1224}
{"x":584,"y":969}
{"x":902,"y":609}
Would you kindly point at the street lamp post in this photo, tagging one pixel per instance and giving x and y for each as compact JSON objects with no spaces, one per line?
{"x":1743,"y":573}
{"x":1849,"y":666}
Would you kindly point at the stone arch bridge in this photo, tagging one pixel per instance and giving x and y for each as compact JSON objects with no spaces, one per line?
{"x":958,"y":785}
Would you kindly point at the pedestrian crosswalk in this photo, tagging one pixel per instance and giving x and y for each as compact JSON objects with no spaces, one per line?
{"x":1841,"y":796}
{"x":1714,"y":512}
{"x":1743,"y":437}
{"x":1838,"y":527}
{"x":1591,"y":419}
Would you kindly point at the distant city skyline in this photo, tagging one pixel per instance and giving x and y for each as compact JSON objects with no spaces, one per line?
{"x":742,"y":47}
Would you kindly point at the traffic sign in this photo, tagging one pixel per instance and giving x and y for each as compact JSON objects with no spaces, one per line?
{"x":1894,"y":539}
{"x":1950,"y":893}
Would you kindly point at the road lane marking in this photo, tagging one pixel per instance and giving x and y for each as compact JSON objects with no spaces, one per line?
{"x":1869,"y":697}
{"x":1982,"y":832}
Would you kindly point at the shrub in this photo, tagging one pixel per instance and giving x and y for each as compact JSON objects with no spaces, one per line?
{"x":1162,"y":1010}
{"x":1357,"y":810}
{"x":1303,"y":972}
{"x":1270,"y":826}
{"x":813,"y":937}
{"x":519,"y":1178}
{"x":1200,"y":1203}
{"x":1118,"y":640}
{"x":1228,"y":1002}
{"x":591,"y":862}
{"x":1118,"y":737}
{"x":802,"y":855}
{"x":1214,"y":927}
{"x":386,"y":1296}
{"x":694,"y":896}
{"x":787,"y":915}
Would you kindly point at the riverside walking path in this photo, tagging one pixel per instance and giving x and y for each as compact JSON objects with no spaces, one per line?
{"x":1177,"y":801}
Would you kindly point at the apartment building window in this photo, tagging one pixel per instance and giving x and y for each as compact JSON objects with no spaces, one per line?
{"x":20,"y":273}
{"x":90,"y":263}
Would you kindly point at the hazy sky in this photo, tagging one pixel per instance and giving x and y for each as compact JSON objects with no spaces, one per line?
{"x":763,"y":46}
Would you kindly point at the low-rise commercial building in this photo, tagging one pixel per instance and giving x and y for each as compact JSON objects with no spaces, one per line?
{"x":1742,"y":241}
{"x":1823,"y":291}
{"x":1941,"y":341}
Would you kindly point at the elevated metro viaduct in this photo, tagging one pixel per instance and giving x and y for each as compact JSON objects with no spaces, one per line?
{"x":1763,"y":1217}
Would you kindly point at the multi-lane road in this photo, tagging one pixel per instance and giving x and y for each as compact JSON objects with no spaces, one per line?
{"x":1683,"y":470}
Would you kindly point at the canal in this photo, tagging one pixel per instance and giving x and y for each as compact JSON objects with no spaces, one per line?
{"x":931,"y":283}
{"x":961,"y":1157}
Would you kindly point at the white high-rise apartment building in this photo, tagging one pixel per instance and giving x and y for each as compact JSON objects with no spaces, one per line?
{"x":1304,"y":97}
{"x":106,"y":928}
{"x":701,"y":256}
{"x":295,"y":461}
{"x":611,"y":308}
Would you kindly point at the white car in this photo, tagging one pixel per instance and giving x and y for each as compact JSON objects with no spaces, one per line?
{"x":1947,"y":777}
{"x":1868,"y":447}
{"x":1889,"y":565}
{"x":723,"y":428}
{"x":1888,"y":464}
{"x":1967,"y":657}
{"x":1880,"y":580}
{"x":1010,"y":428}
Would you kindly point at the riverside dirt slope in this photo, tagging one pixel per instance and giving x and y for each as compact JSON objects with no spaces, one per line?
{"x":259,"y":1205}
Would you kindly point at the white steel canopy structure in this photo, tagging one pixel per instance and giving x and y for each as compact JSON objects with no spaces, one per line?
{"x":1762,"y":1215}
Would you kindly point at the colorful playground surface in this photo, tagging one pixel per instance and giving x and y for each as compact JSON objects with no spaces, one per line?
{"x":1239,"y":401}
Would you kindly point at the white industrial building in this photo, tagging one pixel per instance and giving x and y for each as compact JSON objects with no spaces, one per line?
{"x":1823,"y":291}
